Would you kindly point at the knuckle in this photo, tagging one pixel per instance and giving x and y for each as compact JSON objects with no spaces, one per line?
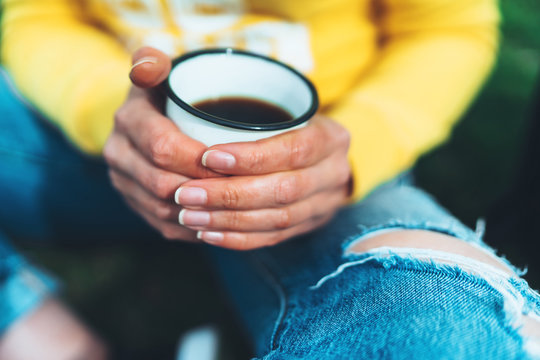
{"x":284,"y":219}
{"x":231,"y":197}
{"x":160,"y":186}
{"x":344,"y":173}
{"x":287,"y":190}
{"x":162,"y":211}
{"x":256,"y":160}
{"x":337,"y":135}
{"x":114,"y":178}
{"x":169,"y":233}
{"x":299,"y":151}
{"x":109,"y":152}
{"x":234,"y":220}
{"x":161,"y":150}
{"x":121,"y":117}
{"x":345,"y":137}
{"x":244,"y":245}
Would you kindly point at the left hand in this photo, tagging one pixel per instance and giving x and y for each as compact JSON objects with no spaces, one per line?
{"x":282,"y":187}
{"x":148,"y":156}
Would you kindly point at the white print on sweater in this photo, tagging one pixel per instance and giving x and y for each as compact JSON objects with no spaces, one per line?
{"x":177,"y":26}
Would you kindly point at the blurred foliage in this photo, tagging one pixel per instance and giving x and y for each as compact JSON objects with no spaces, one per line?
{"x":140,"y":300}
{"x":472,"y":171}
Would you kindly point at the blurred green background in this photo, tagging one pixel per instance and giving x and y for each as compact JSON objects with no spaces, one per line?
{"x":472,"y":173}
{"x":140,"y":300}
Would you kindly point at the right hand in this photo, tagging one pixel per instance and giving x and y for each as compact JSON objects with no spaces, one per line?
{"x":148,"y":156}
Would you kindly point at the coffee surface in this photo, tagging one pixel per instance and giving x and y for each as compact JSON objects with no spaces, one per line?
{"x":244,"y":110}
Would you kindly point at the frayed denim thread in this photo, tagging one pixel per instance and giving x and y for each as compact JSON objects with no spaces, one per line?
{"x":413,"y":258}
{"x":472,"y":238}
{"x":518,"y":299}
{"x":454,"y":231}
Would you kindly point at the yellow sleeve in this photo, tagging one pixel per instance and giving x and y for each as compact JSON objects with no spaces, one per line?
{"x":74,"y":73}
{"x":434,"y":56}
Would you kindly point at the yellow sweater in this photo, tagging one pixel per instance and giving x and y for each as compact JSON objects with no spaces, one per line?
{"x":396,"y":73}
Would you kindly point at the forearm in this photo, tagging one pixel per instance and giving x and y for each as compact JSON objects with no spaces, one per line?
{"x":425,"y":77}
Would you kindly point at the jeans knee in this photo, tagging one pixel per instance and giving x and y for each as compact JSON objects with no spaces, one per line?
{"x":404,"y":293}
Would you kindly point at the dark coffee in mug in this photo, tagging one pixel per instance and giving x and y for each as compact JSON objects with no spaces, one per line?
{"x":219,"y":96}
{"x":244,"y":110}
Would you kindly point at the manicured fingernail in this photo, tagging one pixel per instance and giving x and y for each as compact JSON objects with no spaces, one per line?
{"x":145,"y":60}
{"x":211,"y":237}
{"x":193,"y":218}
{"x":176,"y":195}
{"x":190,"y":196}
{"x":218,"y":160}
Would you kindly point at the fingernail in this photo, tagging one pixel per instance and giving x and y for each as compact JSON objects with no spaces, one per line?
{"x":144,"y":60}
{"x":211,"y":237}
{"x":193,"y":218}
{"x":176,"y":195}
{"x":190,"y":196}
{"x":218,"y":160}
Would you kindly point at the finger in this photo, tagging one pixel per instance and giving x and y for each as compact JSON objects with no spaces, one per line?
{"x":266,"y":191}
{"x":150,"y":67}
{"x":159,"y":140}
{"x":163,"y":210}
{"x":291,"y":150}
{"x":265,"y":219}
{"x":254,"y":240}
{"x":122,"y":156}
{"x":168,"y":230}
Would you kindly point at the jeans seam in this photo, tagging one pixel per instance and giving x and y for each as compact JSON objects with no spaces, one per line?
{"x":271,"y":279}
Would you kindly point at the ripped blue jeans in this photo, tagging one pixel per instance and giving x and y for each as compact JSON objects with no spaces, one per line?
{"x":304,"y":299}
{"x":310,"y":299}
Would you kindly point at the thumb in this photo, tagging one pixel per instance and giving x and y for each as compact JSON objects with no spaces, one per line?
{"x":150,"y":67}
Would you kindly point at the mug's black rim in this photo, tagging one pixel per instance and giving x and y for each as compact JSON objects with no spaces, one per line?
{"x":236,"y":124}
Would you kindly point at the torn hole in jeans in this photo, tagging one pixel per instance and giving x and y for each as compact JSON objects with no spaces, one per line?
{"x":428,"y":239}
{"x":521,"y":304}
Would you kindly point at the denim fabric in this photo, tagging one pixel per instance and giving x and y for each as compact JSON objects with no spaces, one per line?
{"x":22,"y":286}
{"x":308,"y":299}
{"x":50,"y":192}
{"x":304,"y":299}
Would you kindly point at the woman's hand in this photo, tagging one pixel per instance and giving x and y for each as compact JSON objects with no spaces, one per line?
{"x":148,"y":156}
{"x":279,"y":187}
{"x":239,"y":196}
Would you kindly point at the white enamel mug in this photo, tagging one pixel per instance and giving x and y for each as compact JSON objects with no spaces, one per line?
{"x":216,"y":73}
